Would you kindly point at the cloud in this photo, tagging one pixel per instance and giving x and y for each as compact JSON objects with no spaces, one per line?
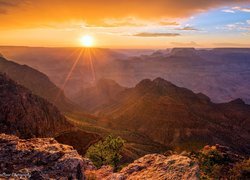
{"x":93,"y":12}
{"x":147,"y":34}
{"x":168,"y":23}
{"x":228,"y":11}
{"x":123,"y":22}
{"x":241,"y":9}
{"x":239,"y":26}
{"x":227,"y":44}
{"x":7,"y":4}
{"x":187,"y":28}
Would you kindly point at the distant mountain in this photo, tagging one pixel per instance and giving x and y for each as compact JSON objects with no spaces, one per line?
{"x":177,"y":117}
{"x":37,"y":82}
{"x":27,"y":115}
{"x":97,"y":96}
{"x":221,"y":73}
{"x":184,"y":52}
{"x":57,"y":62}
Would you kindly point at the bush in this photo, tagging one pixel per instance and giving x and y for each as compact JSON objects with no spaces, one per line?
{"x":106,"y":152}
{"x":211,"y":163}
{"x":241,"y":170}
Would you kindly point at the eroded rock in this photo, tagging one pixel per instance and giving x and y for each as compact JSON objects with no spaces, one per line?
{"x":152,"y":167}
{"x":40,"y":158}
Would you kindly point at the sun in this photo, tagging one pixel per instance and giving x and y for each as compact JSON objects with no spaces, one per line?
{"x":87,"y":41}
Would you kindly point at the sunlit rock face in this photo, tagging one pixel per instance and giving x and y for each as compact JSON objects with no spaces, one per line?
{"x":152,"y":166}
{"x":40,"y":158}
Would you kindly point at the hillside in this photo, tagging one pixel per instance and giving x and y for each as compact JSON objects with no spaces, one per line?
{"x":37,"y":82}
{"x":96,"y":97}
{"x":179,"y":118}
{"x":27,"y":115}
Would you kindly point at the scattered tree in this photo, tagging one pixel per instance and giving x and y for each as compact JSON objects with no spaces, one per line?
{"x":106,"y":152}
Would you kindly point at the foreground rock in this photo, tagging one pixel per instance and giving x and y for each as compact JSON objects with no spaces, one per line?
{"x":39,"y":158}
{"x":151,"y":167}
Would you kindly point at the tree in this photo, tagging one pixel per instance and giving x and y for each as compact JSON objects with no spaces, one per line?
{"x":106,"y":152}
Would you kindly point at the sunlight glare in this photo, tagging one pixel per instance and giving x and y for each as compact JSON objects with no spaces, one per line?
{"x":87,"y":41}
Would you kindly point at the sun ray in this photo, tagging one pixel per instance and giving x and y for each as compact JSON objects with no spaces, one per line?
{"x":69,"y":74}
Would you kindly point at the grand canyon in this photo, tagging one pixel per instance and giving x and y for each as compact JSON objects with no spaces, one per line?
{"x":153,"y":93}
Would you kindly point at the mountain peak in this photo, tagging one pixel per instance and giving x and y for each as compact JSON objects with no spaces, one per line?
{"x":102,"y":83}
{"x":160,"y":81}
{"x":237,"y":101}
{"x":157,"y":83}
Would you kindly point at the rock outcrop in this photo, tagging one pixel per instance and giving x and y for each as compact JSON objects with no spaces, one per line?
{"x":39,"y":158}
{"x":26,"y":115}
{"x":151,"y":167}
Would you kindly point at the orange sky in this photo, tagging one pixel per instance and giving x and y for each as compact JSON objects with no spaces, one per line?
{"x":117,"y":23}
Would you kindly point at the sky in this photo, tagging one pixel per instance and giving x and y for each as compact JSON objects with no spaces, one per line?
{"x":126,"y":23}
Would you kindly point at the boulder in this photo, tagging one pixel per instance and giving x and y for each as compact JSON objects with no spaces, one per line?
{"x":40,"y":158}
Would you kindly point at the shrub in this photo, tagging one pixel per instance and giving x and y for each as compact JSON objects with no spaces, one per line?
{"x":106,"y":152}
{"x":241,"y":170}
{"x":211,"y":163}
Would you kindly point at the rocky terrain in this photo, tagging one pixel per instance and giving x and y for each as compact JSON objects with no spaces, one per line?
{"x":44,"y":158}
{"x":37,"y":82}
{"x":152,"y":166}
{"x":177,"y":117}
{"x":39,"y":158}
{"x":26,"y":115}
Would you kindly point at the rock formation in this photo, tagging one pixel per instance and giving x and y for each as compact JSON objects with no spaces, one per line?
{"x":39,"y":158}
{"x":151,"y":167}
{"x":26,"y":115}
{"x":45,"y":158}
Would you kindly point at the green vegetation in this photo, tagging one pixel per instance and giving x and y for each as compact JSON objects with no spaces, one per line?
{"x":241,"y":170}
{"x":217,"y":165}
{"x":106,"y":152}
{"x":211,"y":163}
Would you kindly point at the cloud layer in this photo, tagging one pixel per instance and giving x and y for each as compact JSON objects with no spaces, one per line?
{"x":147,"y":34}
{"x":34,"y":12}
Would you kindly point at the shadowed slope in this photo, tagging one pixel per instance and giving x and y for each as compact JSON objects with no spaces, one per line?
{"x":27,"y":115}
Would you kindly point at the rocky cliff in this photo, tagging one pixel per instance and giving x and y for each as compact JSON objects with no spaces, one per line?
{"x":26,"y":115}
